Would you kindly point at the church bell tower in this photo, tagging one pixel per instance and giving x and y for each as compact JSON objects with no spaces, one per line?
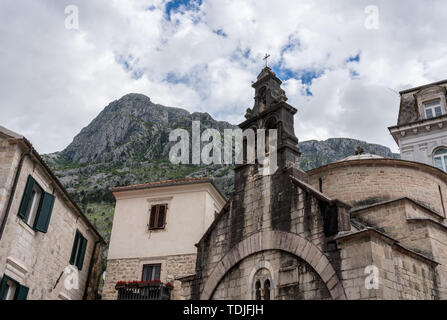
{"x":271,"y":111}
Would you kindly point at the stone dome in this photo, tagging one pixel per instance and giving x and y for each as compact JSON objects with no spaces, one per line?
{"x":365,"y":156}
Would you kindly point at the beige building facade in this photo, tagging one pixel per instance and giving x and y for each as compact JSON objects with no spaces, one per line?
{"x":48,"y":248}
{"x":155,"y":229}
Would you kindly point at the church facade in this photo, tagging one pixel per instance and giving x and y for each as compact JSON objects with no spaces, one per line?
{"x":361,"y":228}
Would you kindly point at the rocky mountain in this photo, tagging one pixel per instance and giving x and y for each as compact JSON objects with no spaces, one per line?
{"x":318,"y":153}
{"x":133,"y":129}
{"x":128,"y":143}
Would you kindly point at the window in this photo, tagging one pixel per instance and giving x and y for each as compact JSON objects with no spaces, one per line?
{"x":157,"y":218}
{"x":267,"y":289}
{"x":249,"y":146}
{"x":12,"y":290}
{"x":262,"y":285}
{"x":258,"y":290}
{"x":442,"y":199}
{"x":272,"y":124}
{"x":433,"y":109}
{"x":440,"y":159}
{"x":36,"y":206}
{"x":33,"y":205}
{"x":151,"y":272}
{"x":78,"y":251}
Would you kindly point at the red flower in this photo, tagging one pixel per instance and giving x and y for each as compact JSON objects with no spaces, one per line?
{"x":170,"y":285}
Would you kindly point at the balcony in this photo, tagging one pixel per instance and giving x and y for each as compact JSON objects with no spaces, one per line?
{"x":144,"y":290}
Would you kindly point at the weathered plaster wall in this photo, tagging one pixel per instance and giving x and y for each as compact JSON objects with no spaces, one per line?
{"x":190,"y":211}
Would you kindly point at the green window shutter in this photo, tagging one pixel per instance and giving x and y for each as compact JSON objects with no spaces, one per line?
{"x":44,"y":213}
{"x":22,"y":293}
{"x":75,"y":245}
{"x":26,"y":197}
{"x":3,"y":286}
{"x":81,"y":253}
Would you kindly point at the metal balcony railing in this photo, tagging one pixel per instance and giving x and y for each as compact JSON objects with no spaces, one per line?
{"x":143,"y":290}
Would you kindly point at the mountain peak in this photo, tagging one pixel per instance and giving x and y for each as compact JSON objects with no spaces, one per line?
{"x":132,"y":129}
{"x":135,"y":96}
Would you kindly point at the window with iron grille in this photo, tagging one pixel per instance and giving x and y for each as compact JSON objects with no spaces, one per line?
{"x":157,"y":218}
{"x":151,"y":272}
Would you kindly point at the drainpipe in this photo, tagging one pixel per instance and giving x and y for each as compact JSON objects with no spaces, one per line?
{"x":90,"y":268}
{"x":13,"y":190}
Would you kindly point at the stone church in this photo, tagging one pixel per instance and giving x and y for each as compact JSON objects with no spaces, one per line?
{"x":361,"y":228}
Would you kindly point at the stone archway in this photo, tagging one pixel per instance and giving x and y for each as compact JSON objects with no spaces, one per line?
{"x":276,"y":240}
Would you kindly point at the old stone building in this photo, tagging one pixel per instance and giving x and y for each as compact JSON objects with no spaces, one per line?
{"x":420,"y":131}
{"x":48,"y":248}
{"x":155,"y":228}
{"x":361,"y":228}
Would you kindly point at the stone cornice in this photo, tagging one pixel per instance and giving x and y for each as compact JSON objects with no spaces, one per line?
{"x":263,"y":114}
{"x":424,"y":125}
{"x":384,"y":203}
{"x":370,"y":232}
{"x":381,"y":162}
{"x":423,"y":87}
{"x":317,"y":194}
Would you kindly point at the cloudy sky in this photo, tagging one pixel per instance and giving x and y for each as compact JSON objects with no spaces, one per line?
{"x":341,"y":67}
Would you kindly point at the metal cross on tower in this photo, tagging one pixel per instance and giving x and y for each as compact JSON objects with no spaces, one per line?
{"x":266,"y":59}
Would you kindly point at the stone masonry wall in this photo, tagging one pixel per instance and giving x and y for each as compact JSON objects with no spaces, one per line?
{"x":9,"y":159}
{"x":401,"y":276}
{"x":372,"y":181}
{"x":415,"y":228}
{"x":261,"y":203}
{"x":35,"y":259}
{"x":172,"y":267}
{"x":290,"y":278}
{"x":392,"y":219}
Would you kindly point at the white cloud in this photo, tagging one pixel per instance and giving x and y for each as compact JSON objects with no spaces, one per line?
{"x":54,"y":81}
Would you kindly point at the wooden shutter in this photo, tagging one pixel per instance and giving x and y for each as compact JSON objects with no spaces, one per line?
{"x":22,"y":293}
{"x":75,"y":246}
{"x":81,"y":254}
{"x":44,"y":213}
{"x":3,"y":286}
{"x":152,"y":217}
{"x":26,"y":197}
{"x":161,"y":216}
